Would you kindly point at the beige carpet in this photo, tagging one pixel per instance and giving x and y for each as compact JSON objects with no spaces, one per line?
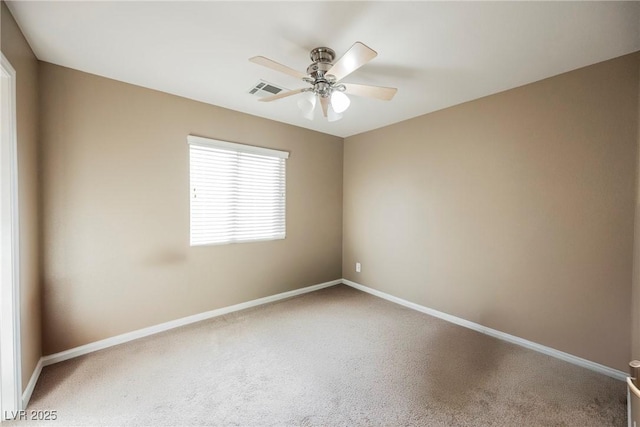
{"x":336,"y":357}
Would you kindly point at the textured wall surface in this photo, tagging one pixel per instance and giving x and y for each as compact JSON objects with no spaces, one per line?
{"x":116,"y":210}
{"x":515,"y":211}
{"x":17,"y":51}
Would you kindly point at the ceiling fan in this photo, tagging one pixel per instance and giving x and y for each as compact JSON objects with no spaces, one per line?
{"x":325,"y":77}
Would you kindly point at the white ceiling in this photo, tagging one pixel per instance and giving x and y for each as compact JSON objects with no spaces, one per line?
{"x":437,"y":54}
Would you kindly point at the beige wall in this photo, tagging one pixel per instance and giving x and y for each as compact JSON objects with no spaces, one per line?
{"x":116,"y":210}
{"x":17,"y":51}
{"x":514,"y":211}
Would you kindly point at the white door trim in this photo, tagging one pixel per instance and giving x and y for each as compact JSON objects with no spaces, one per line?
{"x":10,"y":354}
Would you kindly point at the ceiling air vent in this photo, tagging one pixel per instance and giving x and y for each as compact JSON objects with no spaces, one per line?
{"x":263,"y":88}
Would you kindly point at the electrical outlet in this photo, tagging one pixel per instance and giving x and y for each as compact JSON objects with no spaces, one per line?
{"x":358,"y":267}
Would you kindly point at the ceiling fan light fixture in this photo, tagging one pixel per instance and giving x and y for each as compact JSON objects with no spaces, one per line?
{"x":307,"y":104}
{"x":332,"y":114}
{"x":325,"y":77}
{"x":340,"y":102}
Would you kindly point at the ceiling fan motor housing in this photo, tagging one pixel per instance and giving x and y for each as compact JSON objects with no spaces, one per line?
{"x":322,"y":58}
{"x":322,"y":54}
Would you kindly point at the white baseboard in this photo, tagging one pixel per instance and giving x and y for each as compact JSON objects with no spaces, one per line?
{"x":145,"y":332}
{"x":140,"y":333}
{"x":28,"y":391}
{"x":610,"y":372}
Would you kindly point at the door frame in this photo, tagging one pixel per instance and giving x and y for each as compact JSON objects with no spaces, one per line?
{"x":10,"y":349}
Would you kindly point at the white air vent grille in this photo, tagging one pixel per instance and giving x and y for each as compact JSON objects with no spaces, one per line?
{"x":263,"y":88}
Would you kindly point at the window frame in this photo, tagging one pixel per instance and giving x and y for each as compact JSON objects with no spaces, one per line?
{"x":234,"y":147}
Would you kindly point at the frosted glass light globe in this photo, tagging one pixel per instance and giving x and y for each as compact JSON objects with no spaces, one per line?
{"x":307,"y":105}
{"x":340,"y":102}
{"x":332,"y":115}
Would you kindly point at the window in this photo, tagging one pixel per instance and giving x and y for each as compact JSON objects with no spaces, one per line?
{"x":237,"y":192}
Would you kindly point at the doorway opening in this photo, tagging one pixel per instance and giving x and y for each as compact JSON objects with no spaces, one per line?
{"x":10,"y":361}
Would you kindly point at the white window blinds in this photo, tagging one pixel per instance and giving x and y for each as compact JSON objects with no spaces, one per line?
{"x":237,"y":192}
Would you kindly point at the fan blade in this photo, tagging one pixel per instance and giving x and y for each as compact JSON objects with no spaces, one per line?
{"x":380,"y":92}
{"x":358,"y":55}
{"x":324,"y":101}
{"x":266,"y":62}
{"x":282,"y":95}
